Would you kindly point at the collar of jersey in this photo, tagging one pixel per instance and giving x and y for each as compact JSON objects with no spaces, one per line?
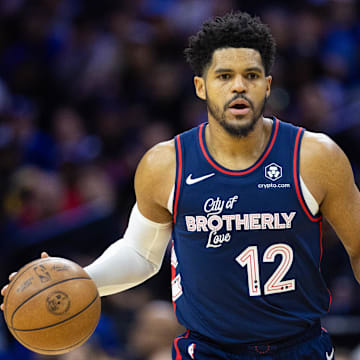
{"x":217,"y":166}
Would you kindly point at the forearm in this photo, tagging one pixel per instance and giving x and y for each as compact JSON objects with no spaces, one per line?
{"x":133,"y":259}
{"x":119,"y":268}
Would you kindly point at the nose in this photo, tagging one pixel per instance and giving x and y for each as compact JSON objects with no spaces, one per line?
{"x":239,"y":85}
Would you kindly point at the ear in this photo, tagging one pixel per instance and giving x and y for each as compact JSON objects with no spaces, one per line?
{"x":199,"y":83}
{"x":268,"y":85}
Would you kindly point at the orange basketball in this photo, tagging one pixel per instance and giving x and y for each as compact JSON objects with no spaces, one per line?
{"x":52,"y":306}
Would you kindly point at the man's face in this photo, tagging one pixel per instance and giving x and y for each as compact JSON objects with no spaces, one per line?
{"x":235,"y":88}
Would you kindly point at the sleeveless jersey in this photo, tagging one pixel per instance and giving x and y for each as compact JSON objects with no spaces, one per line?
{"x":246,"y":250}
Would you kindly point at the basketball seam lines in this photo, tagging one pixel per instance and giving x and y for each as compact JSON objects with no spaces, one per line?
{"x":48,"y":287}
{"x":60,"y":322}
{"x":62,"y":349}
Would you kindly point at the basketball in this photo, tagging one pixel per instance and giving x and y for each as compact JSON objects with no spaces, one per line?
{"x":52,"y":306}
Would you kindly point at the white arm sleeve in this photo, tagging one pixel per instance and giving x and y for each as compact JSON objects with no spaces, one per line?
{"x":132,"y":259}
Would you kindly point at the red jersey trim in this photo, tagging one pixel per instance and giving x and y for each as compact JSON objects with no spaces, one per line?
{"x":177,"y":351}
{"x":330,"y":299}
{"x":243,"y":172}
{"x":179,"y":172}
{"x":321,"y":255}
{"x":296,"y":175}
{"x":321,"y":244}
{"x":173,"y":275}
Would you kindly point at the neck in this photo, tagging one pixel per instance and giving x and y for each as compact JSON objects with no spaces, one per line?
{"x":237,"y":153}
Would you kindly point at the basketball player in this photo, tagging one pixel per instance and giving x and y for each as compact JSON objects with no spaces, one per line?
{"x":243,"y":197}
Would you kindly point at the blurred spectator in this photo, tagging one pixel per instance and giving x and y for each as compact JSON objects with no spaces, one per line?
{"x":35,"y":196}
{"x":153,"y":332}
{"x":94,"y":186}
{"x":314,"y":111}
{"x":35,"y":146}
{"x":73,"y":143}
{"x":340,"y":51}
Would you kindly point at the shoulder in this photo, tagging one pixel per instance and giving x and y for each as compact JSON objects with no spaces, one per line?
{"x":327,"y":168}
{"x":320,"y":151}
{"x":155,"y":177}
{"x":160,"y":158}
{"x":323,"y":164}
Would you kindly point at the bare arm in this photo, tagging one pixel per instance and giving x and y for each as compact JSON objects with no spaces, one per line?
{"x":327,"y":171}
{"x":154,"y":179}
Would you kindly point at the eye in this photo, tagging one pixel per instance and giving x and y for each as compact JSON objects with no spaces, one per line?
{"x":224,"y":76}
{"x":252,"y":76}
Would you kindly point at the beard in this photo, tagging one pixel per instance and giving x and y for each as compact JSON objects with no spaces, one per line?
{"x":238,"y":130}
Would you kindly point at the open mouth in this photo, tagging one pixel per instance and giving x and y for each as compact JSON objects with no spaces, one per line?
{"x":239,"y":107}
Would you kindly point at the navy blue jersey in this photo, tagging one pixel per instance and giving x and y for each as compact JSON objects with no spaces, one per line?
{"x":246,"y":249}
{"x":314,"y":343}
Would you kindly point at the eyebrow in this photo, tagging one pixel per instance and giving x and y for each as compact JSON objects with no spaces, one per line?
{"x":254,"y":68}
{"x":222,"y":70}
{"x":225,"y":70}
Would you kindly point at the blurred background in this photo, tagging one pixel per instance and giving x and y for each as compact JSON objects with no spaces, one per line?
{"x":86,"y":87}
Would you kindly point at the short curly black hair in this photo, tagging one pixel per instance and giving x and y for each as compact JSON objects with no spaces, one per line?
{"x":235,"y":29}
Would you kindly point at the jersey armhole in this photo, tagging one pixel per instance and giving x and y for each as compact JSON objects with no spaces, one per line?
{"x":310,"y":201}
{"x":178,"y":178}
{"x":297,"y":180}
{"x":170,"y":202}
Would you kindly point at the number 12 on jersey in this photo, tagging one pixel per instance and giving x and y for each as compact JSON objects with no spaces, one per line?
{"x":275,"y":284}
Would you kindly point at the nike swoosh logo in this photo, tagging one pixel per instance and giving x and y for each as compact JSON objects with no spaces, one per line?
{"x":190,"y":180}
{"x":329,"y":357}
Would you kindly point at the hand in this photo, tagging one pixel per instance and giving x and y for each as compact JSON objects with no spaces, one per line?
{"x":11,"y":277}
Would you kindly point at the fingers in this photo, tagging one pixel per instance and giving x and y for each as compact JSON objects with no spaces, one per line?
{"x":12,"y":275}
{"x":3,"y":290}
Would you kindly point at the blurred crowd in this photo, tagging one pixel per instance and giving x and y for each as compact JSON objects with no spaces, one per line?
{"x":86,"y":87}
